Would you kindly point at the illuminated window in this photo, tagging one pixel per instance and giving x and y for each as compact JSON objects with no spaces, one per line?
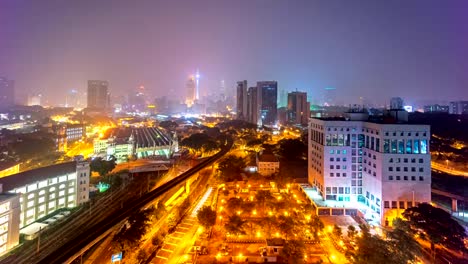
{"x":42,"y":184}
{"x":51,"y":205}
{"x":30,"y":212}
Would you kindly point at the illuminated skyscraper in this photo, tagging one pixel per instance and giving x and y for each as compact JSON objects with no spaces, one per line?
{"x":197,"y":85}
{"x":98,"y":94}
{"x":191,"y":91}
{"x":7,"y":92}
{"x":268,"y":93}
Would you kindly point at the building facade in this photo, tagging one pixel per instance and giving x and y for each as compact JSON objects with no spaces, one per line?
{"x":267,"y":163}
{"x":9,"y":221}
{"x":298,"y":108}
{"x":98,"y":94}
{"x":381,"y":168}
{"x":45,"y":190}
{"x":241,"y":105}
{"x":268,"y":91}
{"x":459,"y":108}
{"x":436,"y":108}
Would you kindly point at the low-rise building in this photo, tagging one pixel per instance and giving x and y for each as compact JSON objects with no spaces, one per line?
{"x":267,"y":163}
{"x":45,"y":190}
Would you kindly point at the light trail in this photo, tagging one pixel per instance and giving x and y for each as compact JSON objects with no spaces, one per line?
{"x":202,"y":201}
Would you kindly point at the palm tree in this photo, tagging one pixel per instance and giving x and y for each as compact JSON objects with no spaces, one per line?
{"x":263,"y":196}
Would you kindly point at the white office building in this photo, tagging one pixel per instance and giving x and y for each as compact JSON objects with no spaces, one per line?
{"x":9,"y":221}
{"x":45,"y":190}
{"x":380,"y":167}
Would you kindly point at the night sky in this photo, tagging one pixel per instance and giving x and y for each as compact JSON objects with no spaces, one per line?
{"x":377,"y":49}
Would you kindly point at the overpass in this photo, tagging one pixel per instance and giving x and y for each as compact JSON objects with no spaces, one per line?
{"x":455,"y":198}
{"x":76,"y":246}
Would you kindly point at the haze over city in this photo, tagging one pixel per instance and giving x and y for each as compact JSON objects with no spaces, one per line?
{"x":370,"y":49}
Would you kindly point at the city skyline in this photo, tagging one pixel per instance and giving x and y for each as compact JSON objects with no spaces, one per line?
{"x":373,"y":50}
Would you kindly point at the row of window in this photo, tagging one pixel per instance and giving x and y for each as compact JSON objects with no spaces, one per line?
{"x":405,"y":160}
{"x":338,"y":159}
{"x":406,"y":169}
{"x":338,"y":167}
{"x":399,"y":204}
{"x":342,"y":190}
{"x":408,"y":146}
{"x":338,"y":174}
{"x":405,"y":178}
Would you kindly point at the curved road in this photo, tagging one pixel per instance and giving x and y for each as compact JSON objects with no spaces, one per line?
{"x":68,"y":249}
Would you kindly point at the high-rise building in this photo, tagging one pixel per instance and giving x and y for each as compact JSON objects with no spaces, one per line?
{"x":7,"y":92}
{"x":98,"y":94}
{"x":35,"y":99}
{"x":253,"y":106}
{"x":242,"y":103}
{"x":268,"y":93}
{"x":329,"y":97}
{"x":298,"y":108}
{"x":377,"y":167}
{"x":191,"y":91}
{"x":459,"y":108}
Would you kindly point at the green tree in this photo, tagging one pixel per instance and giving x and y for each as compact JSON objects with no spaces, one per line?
{"x":102,"y":166}
{"x":436,"y":226}
{"x":235,"y":225}
{"x":134,"y":229}
{"x":293,"y":251}
{"x":402,"y":243}
{"x":206,"y":217}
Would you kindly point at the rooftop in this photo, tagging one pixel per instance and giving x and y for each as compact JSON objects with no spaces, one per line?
{"x":267,"y":157}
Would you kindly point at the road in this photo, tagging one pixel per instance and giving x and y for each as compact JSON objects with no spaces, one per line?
{"x":94,"y":229}
{"x":448,"y":170}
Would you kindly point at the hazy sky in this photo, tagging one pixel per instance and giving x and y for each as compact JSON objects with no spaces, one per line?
{"x":376,"y":49}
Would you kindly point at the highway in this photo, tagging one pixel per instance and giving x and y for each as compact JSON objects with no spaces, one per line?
{"x":89,"y":233}
{"x":448,"y":170}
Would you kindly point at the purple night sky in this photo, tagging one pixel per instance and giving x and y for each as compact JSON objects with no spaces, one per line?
{"x":377,"y":49}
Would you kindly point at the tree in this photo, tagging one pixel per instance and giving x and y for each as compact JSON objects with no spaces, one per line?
{"x":231,"y":167}
{"x":436,"y":226}
{"x":293,"y":251}
{"x":142,"y":255}
{"x":288,"y":226}
{"x":402,"y":243}
{"x":351,"y":232}
{"x":337,"y":231}
{"x":268,"y":223}
{"x":206,"y":217}
{"x":263,"y":196}
{"x":134,"y":229}
{"x":168,"y":125}
{"x":316,"y":226}
{"x":199,"y":142}
{"x":102,"y":166}
{"x":292,"y":148}
{"x":371,"y":249}
{"x":235,"y":225}
{"x":234,"y":204}
{"x":156,"y":240}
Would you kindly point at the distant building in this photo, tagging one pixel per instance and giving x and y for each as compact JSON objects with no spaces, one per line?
{"x":9,"y":221}
{"x":98,"y":95}
{"x":253,"y":106}
{"x":267,"y":163}
{"x":435,"y":108}
{"x":459,"y":108}
{"x":268,"y":91}
{"x":242,"y":98}
{"x":43,"y":191}
{"x":377,"y":166}
{"x":298,"y":108}
{"x":7,"y":92}
{"x":396,"y":103}
{"x":191,"y":91}
{"x":34,"y":100}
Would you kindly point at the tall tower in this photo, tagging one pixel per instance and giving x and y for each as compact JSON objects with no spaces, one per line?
{"x":197,"y":80}
{"x":98,"y":94}
{"x":191,"y":91}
